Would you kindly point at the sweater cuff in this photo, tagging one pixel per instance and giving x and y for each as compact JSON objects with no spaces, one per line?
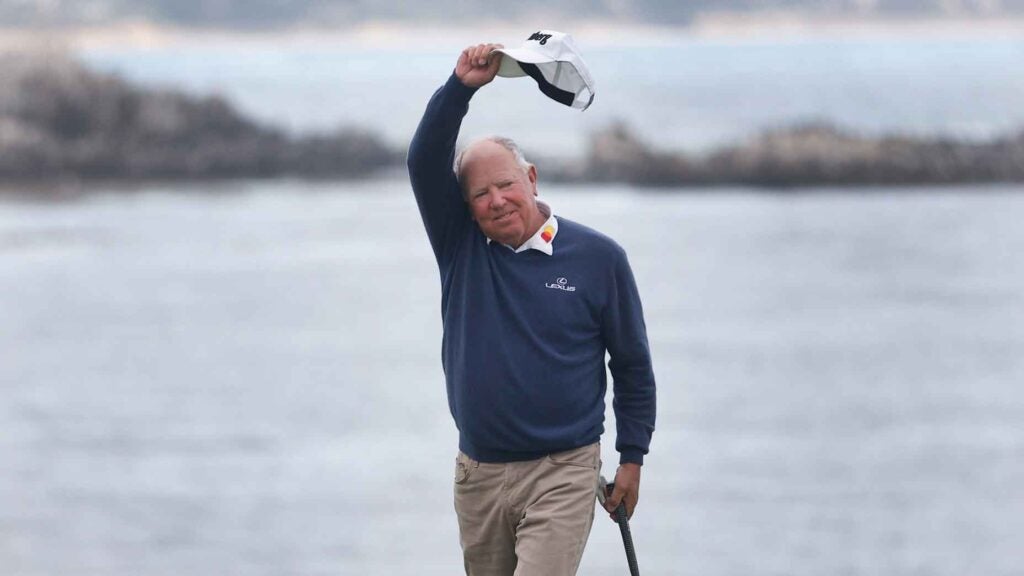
{"x":631,"y":456}
{"x":458,"y":90}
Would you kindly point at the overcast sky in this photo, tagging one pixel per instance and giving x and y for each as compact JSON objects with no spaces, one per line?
{"x":274,"y":14}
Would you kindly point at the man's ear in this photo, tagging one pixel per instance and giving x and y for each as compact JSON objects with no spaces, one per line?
{"x":531,"y":173}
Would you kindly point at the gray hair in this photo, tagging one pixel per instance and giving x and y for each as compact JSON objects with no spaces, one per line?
{"x":506,"y":143}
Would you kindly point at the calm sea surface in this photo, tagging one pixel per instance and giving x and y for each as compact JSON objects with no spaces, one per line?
{"x":248,"y":382}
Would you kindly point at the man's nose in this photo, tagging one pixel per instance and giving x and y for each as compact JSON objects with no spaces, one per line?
{"x":497,"y":199}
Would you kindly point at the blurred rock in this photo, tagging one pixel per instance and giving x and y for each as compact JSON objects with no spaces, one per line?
{"x":59,"y":120}
{"x":617,"y":155}
{"x":804,"y":155}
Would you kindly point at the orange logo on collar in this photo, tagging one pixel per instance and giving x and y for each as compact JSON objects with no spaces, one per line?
{"x":548,"y":233}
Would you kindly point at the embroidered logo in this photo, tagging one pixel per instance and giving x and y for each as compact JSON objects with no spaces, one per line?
{"x":543,"y":38}
{"x":548,"y":233}
{"x":561,"y":284}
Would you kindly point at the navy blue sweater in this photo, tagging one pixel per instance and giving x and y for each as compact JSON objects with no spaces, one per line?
{"x":525,"y":334}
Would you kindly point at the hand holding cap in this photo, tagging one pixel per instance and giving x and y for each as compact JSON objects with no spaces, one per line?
{"x":478,"y":65}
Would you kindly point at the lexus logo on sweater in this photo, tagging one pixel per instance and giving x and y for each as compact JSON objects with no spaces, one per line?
{"x":561,"y":284}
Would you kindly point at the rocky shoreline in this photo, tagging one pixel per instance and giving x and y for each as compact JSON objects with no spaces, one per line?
{"x":60,"y":121}
{"x":812,"y":154}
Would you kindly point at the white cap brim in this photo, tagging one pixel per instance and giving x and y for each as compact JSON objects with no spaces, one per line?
{"x":552,"y":59}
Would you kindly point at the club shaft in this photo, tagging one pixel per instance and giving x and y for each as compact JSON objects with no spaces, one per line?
{"x":627,"y":539}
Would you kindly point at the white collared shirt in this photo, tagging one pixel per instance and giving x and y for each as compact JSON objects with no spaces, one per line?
{"x":544,"y":237}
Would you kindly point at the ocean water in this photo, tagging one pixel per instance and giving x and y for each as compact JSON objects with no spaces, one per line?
{"x":680,"y":92}
{"x":245,"y":379}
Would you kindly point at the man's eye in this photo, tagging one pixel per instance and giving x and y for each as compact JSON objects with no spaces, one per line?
{"x":504,"y":184}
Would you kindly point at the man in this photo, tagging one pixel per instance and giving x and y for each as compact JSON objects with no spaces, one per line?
{"x":530,"y":304}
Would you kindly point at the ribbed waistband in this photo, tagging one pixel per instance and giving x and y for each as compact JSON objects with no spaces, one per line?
{"x":492,"y":455}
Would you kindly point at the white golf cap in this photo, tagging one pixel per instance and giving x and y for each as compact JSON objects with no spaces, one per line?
{"x":552,"y":59}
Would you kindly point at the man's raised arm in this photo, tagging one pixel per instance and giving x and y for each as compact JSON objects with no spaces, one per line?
{"x":432,"y":151}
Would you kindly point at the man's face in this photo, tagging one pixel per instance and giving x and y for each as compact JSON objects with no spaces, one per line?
{"x":500,"y":193}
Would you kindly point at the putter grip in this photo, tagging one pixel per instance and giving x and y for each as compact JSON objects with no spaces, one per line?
{"x":627,"y":537}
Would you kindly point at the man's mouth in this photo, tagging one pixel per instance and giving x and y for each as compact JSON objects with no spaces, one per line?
{"x":504,"y":217}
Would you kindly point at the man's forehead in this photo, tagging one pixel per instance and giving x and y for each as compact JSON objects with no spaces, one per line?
{"x":486,"y":149}
{"x":489,"y":165}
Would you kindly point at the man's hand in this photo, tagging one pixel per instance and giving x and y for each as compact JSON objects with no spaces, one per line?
{"x":627,"y":489}
{"x":477,"y":65}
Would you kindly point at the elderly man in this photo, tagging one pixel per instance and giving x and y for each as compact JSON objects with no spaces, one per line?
{"x":530,"y":302}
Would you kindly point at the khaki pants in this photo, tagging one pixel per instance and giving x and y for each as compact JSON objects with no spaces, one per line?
{"x":527,"y":518}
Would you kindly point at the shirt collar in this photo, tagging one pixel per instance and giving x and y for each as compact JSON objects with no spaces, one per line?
{"x":543,"y":239}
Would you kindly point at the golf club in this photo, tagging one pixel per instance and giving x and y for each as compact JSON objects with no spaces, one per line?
{"x":623,"y":521}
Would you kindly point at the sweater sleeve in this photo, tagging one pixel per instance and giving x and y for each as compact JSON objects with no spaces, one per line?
{"x":430,"y":159}
{"x":625,"y":336}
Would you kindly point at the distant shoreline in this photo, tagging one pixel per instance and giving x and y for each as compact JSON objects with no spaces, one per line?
{"x":62,"y":122}
{"x":801,"y":155}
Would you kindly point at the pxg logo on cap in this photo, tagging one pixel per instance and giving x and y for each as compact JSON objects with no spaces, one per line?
{"x":542,"y":38}
{"x":552,"y":59}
